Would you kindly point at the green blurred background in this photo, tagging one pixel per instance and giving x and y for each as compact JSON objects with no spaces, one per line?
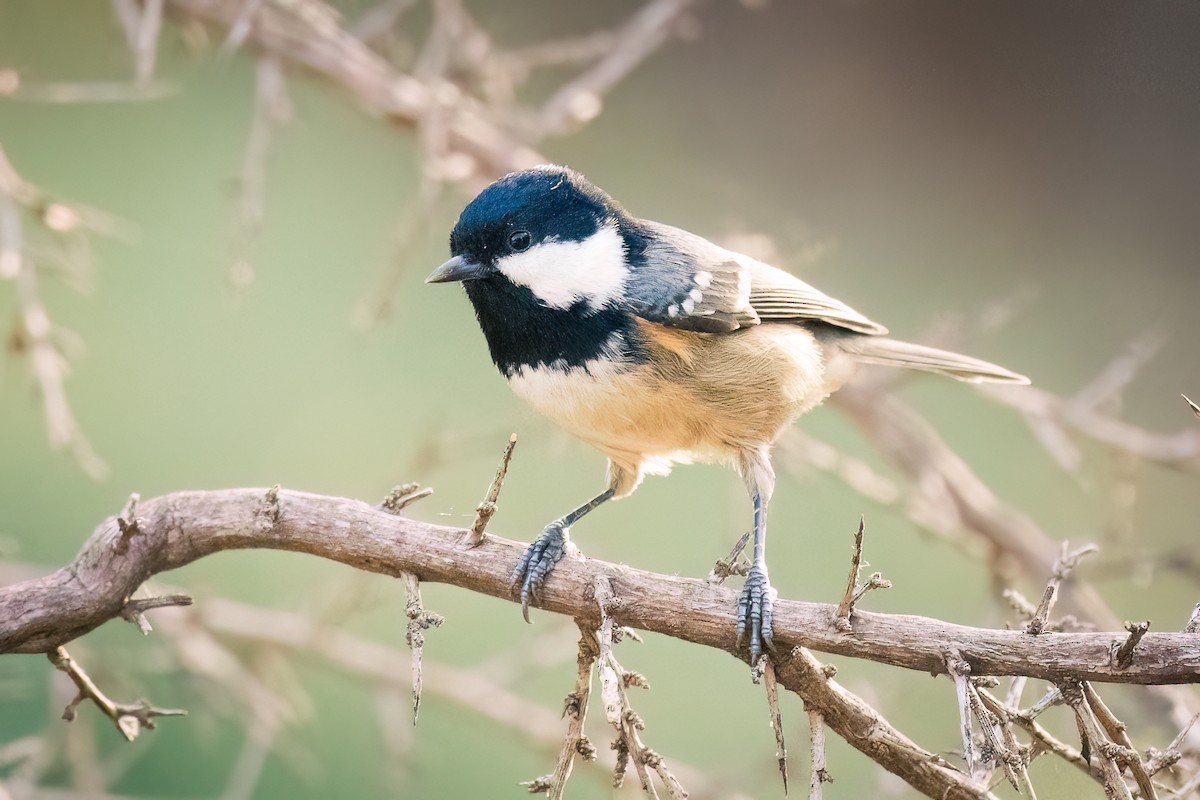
{"x":920,"y":160}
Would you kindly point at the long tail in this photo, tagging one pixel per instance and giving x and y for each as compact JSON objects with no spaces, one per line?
{"x":892,"y":353}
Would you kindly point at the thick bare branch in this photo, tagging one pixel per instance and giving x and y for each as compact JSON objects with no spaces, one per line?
{"x":179,"y":528}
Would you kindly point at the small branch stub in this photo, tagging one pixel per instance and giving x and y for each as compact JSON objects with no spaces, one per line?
{"x":134,"y":611}
{"x":268,"y":513}
{"x":487,"y":509}
{"x":731,"y":565}
{"x":129,"y":523}
{"x":402,"y":496}
{"x":1123,"y":655}
{"x":854,"y":591}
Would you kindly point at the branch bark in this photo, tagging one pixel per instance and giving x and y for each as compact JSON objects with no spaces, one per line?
{"x":175,"y":529}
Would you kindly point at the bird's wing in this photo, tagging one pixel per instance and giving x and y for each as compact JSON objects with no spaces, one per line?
{"x":681,"y":280}
{"x":778,"y":295}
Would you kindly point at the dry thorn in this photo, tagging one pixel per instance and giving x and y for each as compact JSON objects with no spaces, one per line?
{"x":855,"y":592}
{"x":772,"y":685}
{"x":1123,"y":655}
{"x":1195,"y":408}
{"x":487,"y":509}
{"x":419,"y":621}
{"x":730,"y":565}
{"x":134,"y":611}
{"x":402,"y":496}
{"x":960,"y":672}
{"x":130,"y":718}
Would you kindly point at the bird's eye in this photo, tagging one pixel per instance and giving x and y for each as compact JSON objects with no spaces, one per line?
{"x":520,"y":241}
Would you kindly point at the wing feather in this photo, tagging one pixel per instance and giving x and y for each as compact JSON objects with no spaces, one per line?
{"x":681,"y":280}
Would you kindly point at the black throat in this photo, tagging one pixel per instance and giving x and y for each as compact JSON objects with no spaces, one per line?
{"x":522,"y":331}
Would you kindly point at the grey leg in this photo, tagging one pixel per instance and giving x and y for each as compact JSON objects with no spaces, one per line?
{"x":546,"y":551}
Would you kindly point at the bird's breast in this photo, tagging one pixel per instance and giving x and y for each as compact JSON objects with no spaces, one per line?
{"x":695,"y":397}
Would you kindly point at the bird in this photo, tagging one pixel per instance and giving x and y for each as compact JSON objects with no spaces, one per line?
{"x":657,"y":347}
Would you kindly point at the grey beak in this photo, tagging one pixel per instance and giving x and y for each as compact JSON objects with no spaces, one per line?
{"x":456,"y":269}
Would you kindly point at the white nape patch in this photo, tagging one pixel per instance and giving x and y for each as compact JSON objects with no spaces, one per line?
{"x":561,"y":274}
{"x":703,"y":279}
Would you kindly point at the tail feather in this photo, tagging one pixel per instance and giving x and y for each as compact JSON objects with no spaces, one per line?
{"x":893,"y":353}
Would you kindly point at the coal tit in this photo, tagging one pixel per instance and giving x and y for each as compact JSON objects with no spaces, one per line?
{"x":657,"y":347}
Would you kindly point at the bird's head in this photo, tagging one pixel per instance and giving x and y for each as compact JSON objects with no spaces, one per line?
{"x":547,"y":229}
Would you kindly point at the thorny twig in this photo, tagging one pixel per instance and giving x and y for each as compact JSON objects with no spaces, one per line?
{"x":854,"y":591}
{"x":419,"y":621}
{"x":575,"y":742}
{"x":1117,"y":732}
{"x":614,"y":681}
{"x":130,"y":718}
{"x":487,"y":509}
{"x":1039,"y":734}
{"x":996,"y":749}
{"x":1093,"y":741}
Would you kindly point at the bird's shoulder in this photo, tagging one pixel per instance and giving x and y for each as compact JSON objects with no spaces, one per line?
{"x":682,"y":280}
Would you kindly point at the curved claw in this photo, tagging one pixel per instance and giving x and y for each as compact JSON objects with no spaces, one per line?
{"x":537,"y":563}
{"x":756,"y":613}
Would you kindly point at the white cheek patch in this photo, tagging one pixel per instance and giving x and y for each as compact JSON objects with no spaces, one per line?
{"x":561,"y":274}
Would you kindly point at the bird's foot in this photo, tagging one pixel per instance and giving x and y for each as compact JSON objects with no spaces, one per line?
{"x":756,"y":612}
{"x":539,"y":559}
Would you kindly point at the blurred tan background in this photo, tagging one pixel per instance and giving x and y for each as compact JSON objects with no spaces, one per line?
{"x":1023,"y":174}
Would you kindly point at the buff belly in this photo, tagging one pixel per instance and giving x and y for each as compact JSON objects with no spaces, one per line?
{"x":701,"y":397}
